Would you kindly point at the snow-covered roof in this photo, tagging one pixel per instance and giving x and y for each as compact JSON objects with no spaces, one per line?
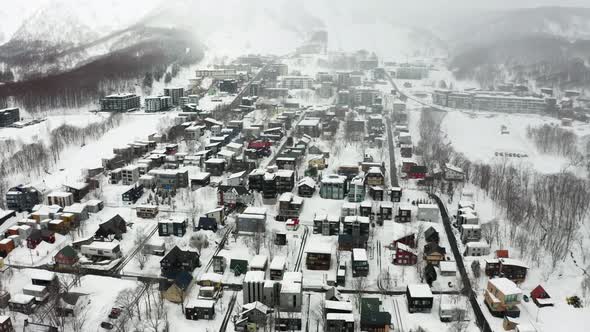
{"x":255,"y":210}
{"x":75,"y":208}
{"x":290,"y":287}
{"x":454,"y":168}
{"x":258,"y":262}
{"x":200,"y":303}
{"x":347,"y":317}
{"x":406,"y":248}
{"x":278,"y":263}
{"x":76,"y":185}
{"x":360,"y":219}
{"x":250,"y":216}
{"x":338,"y":305}
{"x":43,"y":275}
{"x":285,"y":173}
{"x":506,"y":286}
{"x":334,"y":178}
{"x":103,"y":245}
{"x":286,"y":197}
{"x":254,"y":276}
{"x":60,"y":194}
{"x":513,"y":262}
{"x":177,"y":220}
{"x":293,"y":276}
{"x":470,"y":226}
{"x":215,"y":161}
{"x":319,"y":248}
{"x":419,"y":291}
{"x":34,"y":288}
{"x":359,"y":254}
{"x":226,"y":153}
{"x":237,"y":175}
{"x":448,"y":266}
{"x":374,"y":170}
{"x":256,"y":305}
{"x":367,"y":204}
{"x":480,"y":244}
{"x":22,"y":299}
{"x":427,"y":206}
{"x":210,"y":276}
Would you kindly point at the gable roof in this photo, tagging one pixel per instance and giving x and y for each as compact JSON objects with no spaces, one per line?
{"x":240,"y":190}
{"x":114,"y":226}
{"x":68,"y":251}
{"x":183,"y":280}
{"x":431,"y":248}
{"x":430,"y":232}
{"x":178,"y":255}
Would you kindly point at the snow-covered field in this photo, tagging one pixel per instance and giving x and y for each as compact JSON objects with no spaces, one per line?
{"x":479,"y":137}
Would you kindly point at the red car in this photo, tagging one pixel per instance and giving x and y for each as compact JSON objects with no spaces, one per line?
{"x":115,"y":313}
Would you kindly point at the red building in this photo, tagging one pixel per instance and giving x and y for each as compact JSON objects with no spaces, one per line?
{"x":405,"y":255}
{"x":540,"y":297}
{"x":409,"y":240}
{"x":66,"y":256}
{"x":417,"y":172}
{"x":37,"y":236}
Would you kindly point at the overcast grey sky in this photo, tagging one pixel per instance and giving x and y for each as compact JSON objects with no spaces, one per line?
{"x":486,"y":3}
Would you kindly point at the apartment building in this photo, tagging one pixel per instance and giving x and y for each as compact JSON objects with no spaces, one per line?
{"x":120,"y":102}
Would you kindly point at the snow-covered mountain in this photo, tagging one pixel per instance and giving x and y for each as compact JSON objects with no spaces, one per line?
{"x":485,"y":27}
{"x":67,"y":21}
{"x":547,"y":46}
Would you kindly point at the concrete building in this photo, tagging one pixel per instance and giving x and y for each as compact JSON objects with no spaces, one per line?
{"x":296,"y":82}
{"x":175,"y":94}
{"x":60,"y":198}
{"x":120,"y":102}
{"x":130,"y":174}
{"x":8,"y":116}
{"x":489,"y":101}
{"x":218,"y":74}
{"x":22,"y":198}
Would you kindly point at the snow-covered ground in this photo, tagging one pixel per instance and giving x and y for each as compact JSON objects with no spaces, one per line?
{"x":479,"y":137}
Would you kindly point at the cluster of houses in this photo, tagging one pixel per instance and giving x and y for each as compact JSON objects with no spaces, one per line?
{"x":63,"y":212}
{"x":339,"y":314}
{"x":470,"y":230}
{"x":37,"y":293}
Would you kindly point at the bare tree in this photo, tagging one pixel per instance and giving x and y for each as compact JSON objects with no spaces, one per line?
{"x":199,"y":241}
{"x":360,"y":286}
{"x":141,"y":256}
{"x":78,"y":321}
{"x":157,"y":320}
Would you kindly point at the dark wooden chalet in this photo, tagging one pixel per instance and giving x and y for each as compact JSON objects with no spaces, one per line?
{"x":431,"y":235}
{"x":178,"y":260}
{"x":113,"y":228}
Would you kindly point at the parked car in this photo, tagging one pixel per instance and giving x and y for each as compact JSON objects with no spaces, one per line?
{"x":106,"y":325}
{"x":115,"y":313}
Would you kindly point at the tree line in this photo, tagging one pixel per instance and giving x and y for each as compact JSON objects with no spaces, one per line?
{"x":34,"y":159}
{"x":544,"y":212}
{"x":552,"y":139}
